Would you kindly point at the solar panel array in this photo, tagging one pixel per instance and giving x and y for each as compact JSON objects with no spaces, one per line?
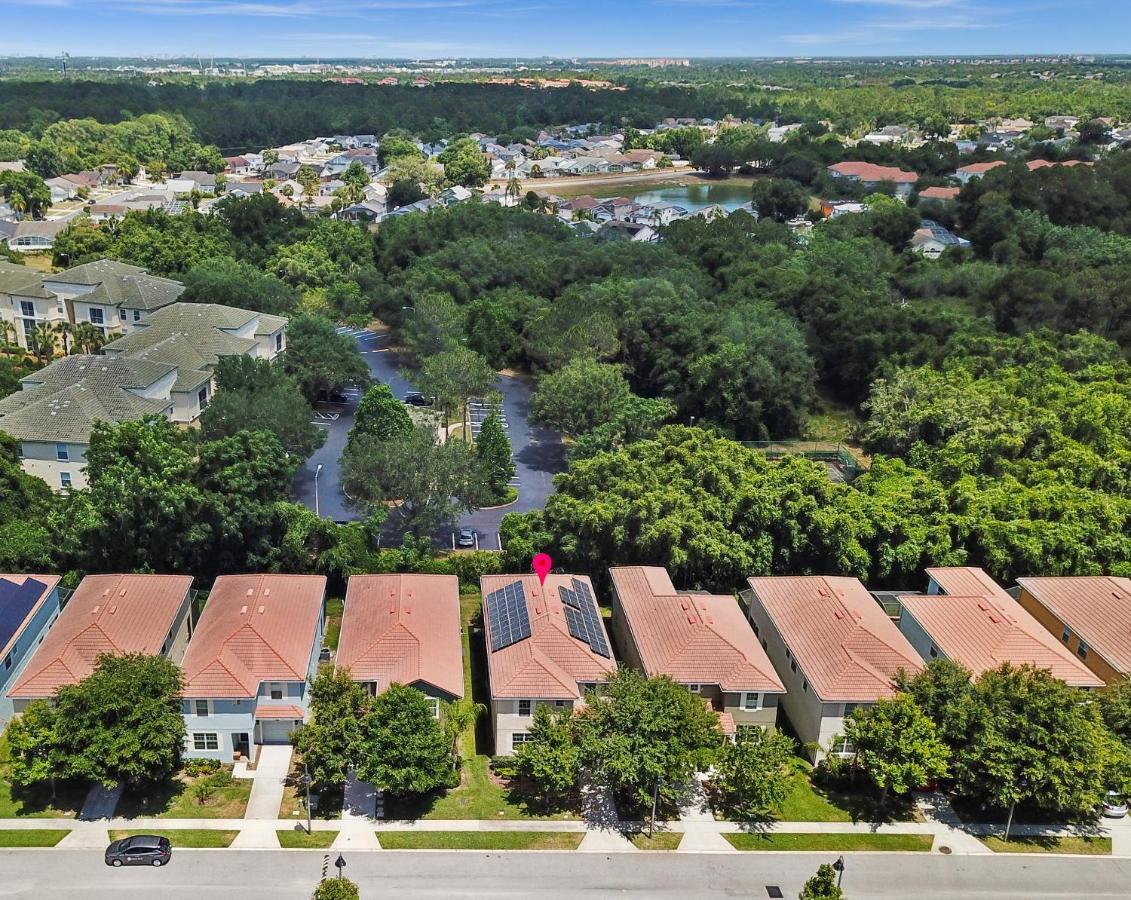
{"x":508,"y":619}
{"x":16,"y":601}
{"x":582,"y":617}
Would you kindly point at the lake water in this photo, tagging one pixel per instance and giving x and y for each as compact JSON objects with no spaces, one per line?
{"x":691,"y":196}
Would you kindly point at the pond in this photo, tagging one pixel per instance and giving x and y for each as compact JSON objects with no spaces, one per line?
{"x":692,"y":195}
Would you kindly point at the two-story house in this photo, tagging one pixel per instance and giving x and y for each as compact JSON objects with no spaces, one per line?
{"x":968,"y":618}
{"x":834,"y":647}
{"x":112,"y":296}
{"x":701,"y":640}
{"x":250,"y":663}
{"x":403,"y":629}
{"x":28,"y":606}
{"x":545,"y":645}
{"x":114,"y":614}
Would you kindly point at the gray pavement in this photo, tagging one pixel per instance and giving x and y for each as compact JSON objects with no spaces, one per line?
{"x":290,"y":875}
{"x":271,"y":771}
{"x":539,"y":453}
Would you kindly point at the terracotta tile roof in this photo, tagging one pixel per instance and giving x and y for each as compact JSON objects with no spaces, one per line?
{"x":726,"y":723}
{"x":939,"y":193}
{"x":279,"y":712}
{"x":10,"y":628}
{"x":982,"y":633}
{"x":694,"y":638}
{"x":846,"y":645}
{"x":254,"y":628}
{"x":107,"y":614}
{"x":403,"y":629}
{"x":982,"y":168}
{"x":1096,"y":607}
{"x":870,"y":172}
{"x":967,"y":581}
{"x":550,"y":663}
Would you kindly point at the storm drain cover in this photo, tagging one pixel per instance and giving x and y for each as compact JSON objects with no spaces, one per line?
{"x":774,"y":892}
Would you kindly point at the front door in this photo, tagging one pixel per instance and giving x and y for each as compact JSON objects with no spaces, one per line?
{"x":241,"y":743}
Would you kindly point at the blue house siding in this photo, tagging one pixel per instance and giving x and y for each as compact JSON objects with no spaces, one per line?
{"x":225,"y":719}
{"x":918,"y":637}
{"x":26,"y":640}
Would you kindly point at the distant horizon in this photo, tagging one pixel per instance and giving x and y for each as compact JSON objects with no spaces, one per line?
{"x":582,"y":58}
{"x":532,"y":29}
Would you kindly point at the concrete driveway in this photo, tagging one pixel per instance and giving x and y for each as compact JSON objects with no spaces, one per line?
{"x":538,"y":452}
{"x":267,"y":789}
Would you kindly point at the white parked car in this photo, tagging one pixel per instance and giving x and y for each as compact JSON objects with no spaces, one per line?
{"x":1115,"y":805}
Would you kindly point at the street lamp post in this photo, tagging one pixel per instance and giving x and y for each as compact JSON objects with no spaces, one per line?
{"x":655,"y":802}
{"x":839,"y":867}
{"x":306,"y":782}
{"x":340,"y":864}
{"x":317,"y":472}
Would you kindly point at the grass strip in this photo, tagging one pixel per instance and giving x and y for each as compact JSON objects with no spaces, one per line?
{"x":660,"y":840}
{"x":1090,"y":846}
{"x":200,"y":838}
{"x":298,"y":839}
{"x":33,"y":837}
{"x":831,"y":842}
{"x":479,"y":840}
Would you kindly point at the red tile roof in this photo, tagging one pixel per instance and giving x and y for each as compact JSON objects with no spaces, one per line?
{"x":116,"y":614}
{"x":982,"y":633}
{"x":939,"y":193}
{"x":1096,"y":607}
{"x":871,"y":173}
{"x":967,"y":581}
{"x":1035,"y":164}
{"x":49,"y":582}
{"x":279,"y":712}
{"x":254,"y":628}
{"x":982,"y":168}
{"x":846,"y":645}
{"x":693,"y":638}
{"x":403,"y":629}
{"x":550,"y":663}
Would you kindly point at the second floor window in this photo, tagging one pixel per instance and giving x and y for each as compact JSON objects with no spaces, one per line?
{"x":62,"y":452}
{"x":276,"y":692}
{"x":752,"y":701}
{"x":524,"y":707}
{"x":27,"y":309}
{"x":202,"y":708}
{"x":97,"y":317}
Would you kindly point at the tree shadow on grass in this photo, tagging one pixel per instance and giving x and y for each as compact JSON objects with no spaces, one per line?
{"x":35,"y":799}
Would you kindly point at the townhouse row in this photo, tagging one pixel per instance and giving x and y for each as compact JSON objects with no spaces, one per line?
{"x":809,"y":649}
{"x":248,"y":657}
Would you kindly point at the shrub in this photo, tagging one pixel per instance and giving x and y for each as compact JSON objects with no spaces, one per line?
{"x":197,"y":767}
{"x":222,"y":777}
{"x":336,"y":889}
{"x":204,"y":790}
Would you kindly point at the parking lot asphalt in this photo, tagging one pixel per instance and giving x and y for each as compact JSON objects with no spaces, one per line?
{"x":538,"y":451}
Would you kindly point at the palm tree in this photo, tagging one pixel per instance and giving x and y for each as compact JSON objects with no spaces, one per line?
{"x":8,"y":335}
{"x":43,"y":339}
{"x":18,"y":203}
{"x":63,"y":330}
{"x":88,"y":338}
{"x":458,"y":718}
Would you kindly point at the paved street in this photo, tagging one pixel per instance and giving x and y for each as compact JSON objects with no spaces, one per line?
{"x":262,"y":874}
{"x":538,"y":451}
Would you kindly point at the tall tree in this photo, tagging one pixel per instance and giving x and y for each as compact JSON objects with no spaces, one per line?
{"x":753,"y":774}
{"x":329,"y":743}
{"x":402,"y":748}
{"x":380,"y":415}
{"x":453,"y":377}
{"x":580,"y":396}
{"x":549,"y":756}
{"x":321,"y":359}
{"x":493,"y":450}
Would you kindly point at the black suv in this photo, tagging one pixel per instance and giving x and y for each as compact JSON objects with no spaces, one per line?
{"x":139,"y":850}
{"x":415,"y":398}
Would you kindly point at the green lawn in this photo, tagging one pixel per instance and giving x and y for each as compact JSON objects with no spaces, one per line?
{"x":173,"y":799}
{"x":805,"y":803}
{"x":187,"y":837}
{"x":479,"y":840}
{"x":334,"y":608}
{"x":37,"y":802}
{"x":660,"y":840}
{"x":1091,"y":846}
{"x":33,"y":837}
{"x":831,"y":843}
{"x":479,"y":796}
{"x":298,"y":839}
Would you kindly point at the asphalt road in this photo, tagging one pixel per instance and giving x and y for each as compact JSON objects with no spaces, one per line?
{"x":539,"y":453}
{"x":282,"y":875}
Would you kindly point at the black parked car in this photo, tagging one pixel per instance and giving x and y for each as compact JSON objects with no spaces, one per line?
{"x":139,"y":850}
{"x":415,"y":398}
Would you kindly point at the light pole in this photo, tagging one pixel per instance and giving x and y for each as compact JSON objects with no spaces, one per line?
{"x":340,"y":864}
{"x":317,"y":472}
{"x":655,"y":802}
{"x":306,"y":781}
{"x":839,"y":866}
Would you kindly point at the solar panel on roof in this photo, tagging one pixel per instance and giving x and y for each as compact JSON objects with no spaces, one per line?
{"x":508,"y":620}
{"x":576,"y":624}
{"x":16,"y":601}
{"x":569,"y":598}
{"x":582,"y":617}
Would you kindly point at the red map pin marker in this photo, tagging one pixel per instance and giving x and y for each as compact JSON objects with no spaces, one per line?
{"x":542,"y":565}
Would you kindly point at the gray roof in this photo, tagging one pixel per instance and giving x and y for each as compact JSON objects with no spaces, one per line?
{"x":22,"y":281}
{"x":68,"y":396}
{"x":120,"y":284}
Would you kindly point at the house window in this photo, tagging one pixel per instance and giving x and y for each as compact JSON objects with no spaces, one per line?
{"x":524,"y":707}
{"x":137,"y":315}
{"x":202,"y":397}
{"x":8,"y":662}
{"x":27,"y":309}
{"x":61,"y":306}
{"x":850,"y":708}
{"x":764,"y":644}
{"x":934,"y":652}
{"x":589,"y":686}
{"x":1066,"y":634}
{"x":65,"y":480}
{"x":278,"y":343}
{"x":205,"y":740}
{"x":202,"y":708}
{"x":434,"y":705}
{"x":752,"y":701}
{"x":694,"y":688}
{"x":1082,"y":650}
{"x":841,"y":746}
{"x":793,"y":665}
{"x":559,"y":703}
{"x":519,"y":737}
{"x":754,"y":626}
{"x":62,"y":452}
{"x":804,"y":685}
{"x":97,"y":317}
{"x":276,"y":692}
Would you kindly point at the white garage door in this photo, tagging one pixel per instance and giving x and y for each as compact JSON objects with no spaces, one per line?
{"x":275,"y":731}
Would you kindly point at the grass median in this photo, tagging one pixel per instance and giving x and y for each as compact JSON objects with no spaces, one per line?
{"x":479,"y":840}
{"x":1087,"y":846}
{"x":778,"y":841}
{"x":33,"y":837}
{"x":202,"y":838}
{"x":661,"y":840}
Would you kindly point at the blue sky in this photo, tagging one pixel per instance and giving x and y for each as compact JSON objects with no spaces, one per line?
{"x":416,"y":28}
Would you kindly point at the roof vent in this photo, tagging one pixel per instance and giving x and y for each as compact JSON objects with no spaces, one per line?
{"x":250,"y":592}
{"x":106,"y":593}
{"x":112,"y":610}
{"x":262,"y":610}
{"x":243,"y":610}
{"x":691,"y":620}
{"x":267,"y":592}
{"x":94,"y":612}
{"x":686,"y":606}
{"x":838,"y":613}
{"x":122,"y":593}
